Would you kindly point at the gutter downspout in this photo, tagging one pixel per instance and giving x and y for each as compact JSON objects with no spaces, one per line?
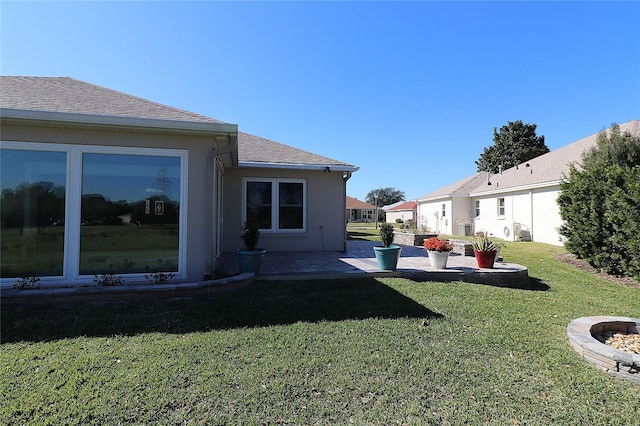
{"x":211,"y":207}
{"x":345,"y":177}
{"x":531,"y":211}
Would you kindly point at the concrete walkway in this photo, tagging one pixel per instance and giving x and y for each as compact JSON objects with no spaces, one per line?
{"x":359,"y":261}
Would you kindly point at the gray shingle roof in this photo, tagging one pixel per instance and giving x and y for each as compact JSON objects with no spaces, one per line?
{"x":459,"y":188}
{"x":548,"y":168}
{"x":65,"y":94}
{"x":255,"y":149}
{"x":68,"y":95}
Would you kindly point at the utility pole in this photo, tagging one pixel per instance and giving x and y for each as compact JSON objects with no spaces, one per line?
{"x":375,"y":197}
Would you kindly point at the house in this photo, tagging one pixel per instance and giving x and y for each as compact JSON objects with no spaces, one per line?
{"x":518,"y":204}
{"x":359,"y":211}
{"x":404,"y":211}
{"x":448,"y":210}
{"x":96,"y":181}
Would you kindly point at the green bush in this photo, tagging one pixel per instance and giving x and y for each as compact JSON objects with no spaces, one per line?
{"x":398,"y":220}
{"x":600,"y":205}
{"x":386,"y":234}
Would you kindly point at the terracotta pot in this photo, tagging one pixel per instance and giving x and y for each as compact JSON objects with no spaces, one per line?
{"x":485,"y":259}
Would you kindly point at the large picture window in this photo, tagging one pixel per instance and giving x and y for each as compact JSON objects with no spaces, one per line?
{"x":72,"y":211}
{"x":277,"y":205}
{"x":129,"y":213}
{"x":32,"y":213}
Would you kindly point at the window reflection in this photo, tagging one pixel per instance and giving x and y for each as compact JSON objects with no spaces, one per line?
{"x":32,"y":211}
{"x":130,"y":213}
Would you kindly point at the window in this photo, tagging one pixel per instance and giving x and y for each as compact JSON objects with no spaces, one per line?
{"x":367,"y":214}
{"x":444,"y":210}
{"x":500,"y":207}
{"x":32,"y":213}
{"x":129,"y":213}
{"x":477,"y":208}
{"x":74,"y":210}
{"x":277,"y":205}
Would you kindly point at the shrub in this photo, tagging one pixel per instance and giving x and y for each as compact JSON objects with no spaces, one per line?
{"x":250,"y":236}
{"x":27,"y":283}
{"x":600,"y":205}
{"x":159,"y":277}
{"x":108,"y":279}
{"x":386,"y":234}
{"x":398,"y":220}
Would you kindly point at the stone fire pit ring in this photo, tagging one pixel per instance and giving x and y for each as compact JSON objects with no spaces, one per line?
{"x":621,"y":364}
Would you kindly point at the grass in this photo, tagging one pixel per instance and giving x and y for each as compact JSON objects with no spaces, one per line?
{"x":364,"y":351}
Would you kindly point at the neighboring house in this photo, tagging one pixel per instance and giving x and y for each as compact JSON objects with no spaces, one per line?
{"x":517,"y":204}
{"x":96,"y":181}
{"x":406,"y":210}
{"x":359,"y":211}
{"x":448,"y":210}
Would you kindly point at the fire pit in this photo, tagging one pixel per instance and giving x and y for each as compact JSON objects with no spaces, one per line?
{"x":624,"y":363}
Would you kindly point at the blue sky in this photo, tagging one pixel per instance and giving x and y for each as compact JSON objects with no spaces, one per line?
{"x":408,"y":91}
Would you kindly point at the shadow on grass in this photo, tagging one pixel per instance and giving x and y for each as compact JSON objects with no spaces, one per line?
{"x":361,"y":236}
{"x":263,"y":304}
{"x":535,"y":284}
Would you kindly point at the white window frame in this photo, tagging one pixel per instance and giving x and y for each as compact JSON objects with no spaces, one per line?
{"x":444,"y":210}
{"x":73,"y":199}
{"x":275,"y":211}
{"x":501,"y":208}
{"x":477,"y":206}
{"x":367,"y":214}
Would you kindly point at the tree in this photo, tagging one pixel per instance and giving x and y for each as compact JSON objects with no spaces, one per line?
{"x":32,"y":205}
{"x":515,"y":143}
{"x":384,"y":196}
{"x":600,"y":205}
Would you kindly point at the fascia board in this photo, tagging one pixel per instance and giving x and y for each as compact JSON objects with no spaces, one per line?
{"x":289,"y":166}
{"x":115,"y":121}
{"x":441,"y":197}
{"x":517,"y":188}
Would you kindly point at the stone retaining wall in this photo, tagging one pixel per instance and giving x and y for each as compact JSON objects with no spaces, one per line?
{"x":617,"y":363}
{"x":69,"y":296}
{"x":408,"y":239}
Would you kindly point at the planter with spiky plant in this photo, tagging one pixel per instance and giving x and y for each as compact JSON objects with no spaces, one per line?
{"x":387,"y":254}
{"x":250,"y":258}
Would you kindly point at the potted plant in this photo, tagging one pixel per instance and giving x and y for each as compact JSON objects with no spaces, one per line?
{"x":438,"y":251}
{"x":250,"y":258}
{"x":388,"y":254}
{"x":485,"y":249}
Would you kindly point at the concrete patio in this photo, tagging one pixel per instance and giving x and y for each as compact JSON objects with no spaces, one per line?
{"x":359,"y":261}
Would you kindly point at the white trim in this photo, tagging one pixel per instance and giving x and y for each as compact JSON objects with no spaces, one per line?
{"x":547,"y":184}
{"x":116,"y":121}
{"x":289,"y":166}
{"x":73,"y":197}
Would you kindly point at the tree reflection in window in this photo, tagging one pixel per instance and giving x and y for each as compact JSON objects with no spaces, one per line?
{"x":129,"y":214}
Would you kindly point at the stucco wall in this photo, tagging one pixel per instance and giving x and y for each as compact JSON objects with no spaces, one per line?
{"x":535,"y":210}
{"x":430,"y":216}
{"x":405,"y":215}
{"x":546,"y":216}
{"x":325,"y":211}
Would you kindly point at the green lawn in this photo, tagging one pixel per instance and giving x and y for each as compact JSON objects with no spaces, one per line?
{"x":362,"y":351}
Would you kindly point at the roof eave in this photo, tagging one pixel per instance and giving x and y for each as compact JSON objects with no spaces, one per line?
{"x":291,"y":166}
{"x":538,"y":185}
{"x":440,"y":197}
{"x":108,"y":121}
